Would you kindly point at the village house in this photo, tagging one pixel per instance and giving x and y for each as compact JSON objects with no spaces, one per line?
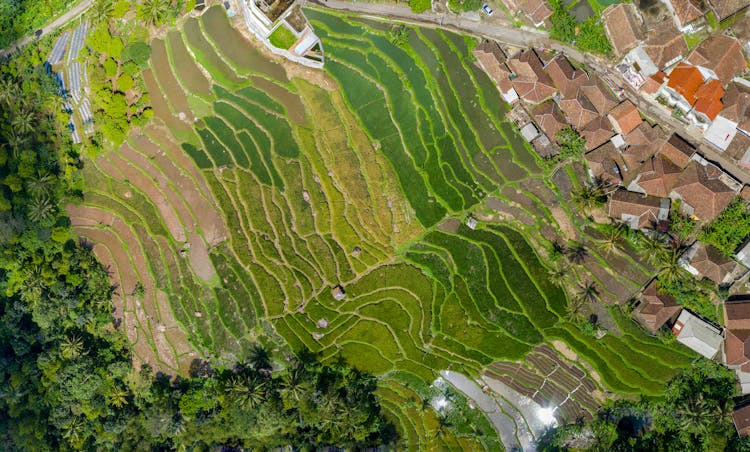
{"x":705,"y":261}
{"x":625,"y":118}
{"x":565,"y":77}
{"x":655,"y":309}
{"x":678,"y":150}
{"x":597,"y":132}
{"x":704,"y":189}
{"x":737,"y":338}
{"x":697,"y":97}
{"x":688,"y":14}
{"x":579,"y":111}
{"x":538,"y":12}
{"x":741,"y":419}
{"x":600,"y":95}
{"x":665,"y":45}
{"x":491,"y":59}
{"x":606,"y":165}
{"x":639,"y":145}
{"x":734,"y":118}
{"x":638,"y":211}
{"x":550,"y":118}
{"x":529,"y":79}
{"x":624,"y":27}
{"x":653,"y":85}
{"x":719,"y":56}
{"x":656,"y":177}
{"x":697,"y":334}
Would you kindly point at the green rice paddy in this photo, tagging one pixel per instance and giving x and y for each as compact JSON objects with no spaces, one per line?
{"x":317,"y":187}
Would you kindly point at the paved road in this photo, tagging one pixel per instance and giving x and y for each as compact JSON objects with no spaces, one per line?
{"x":501,"y":29}
{"x":73,"y":13}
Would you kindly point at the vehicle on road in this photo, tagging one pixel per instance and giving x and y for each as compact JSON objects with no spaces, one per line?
{"x":486,"y":8}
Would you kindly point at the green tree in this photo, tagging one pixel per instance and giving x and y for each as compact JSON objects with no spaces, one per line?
{"x":153,"y":12}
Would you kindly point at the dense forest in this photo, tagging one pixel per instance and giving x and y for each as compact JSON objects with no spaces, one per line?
{"x":66,"y":378}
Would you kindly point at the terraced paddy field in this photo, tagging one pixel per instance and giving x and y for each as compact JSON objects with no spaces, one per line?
{"x":260,"y":186}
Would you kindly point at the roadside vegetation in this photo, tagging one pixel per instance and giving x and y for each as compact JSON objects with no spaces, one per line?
{"x":588,"y":36}
{"x":22,"y":17}
{"x":729,"y":231}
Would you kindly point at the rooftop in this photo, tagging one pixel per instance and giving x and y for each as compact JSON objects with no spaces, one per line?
{"x":721,"y":54}
{"x":726,"y":8}
{"x":623,"y":25}
{"x":664,"y":44}
{"x":688,"y":11}
{"x":637,"y":210}
{"x":697,"y":334}
{"x":625,"y":117}
{"x":702,"y":191}
{"x":655,"y":308}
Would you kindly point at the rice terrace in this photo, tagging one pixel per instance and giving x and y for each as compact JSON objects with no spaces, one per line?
{"x":382,"y":210}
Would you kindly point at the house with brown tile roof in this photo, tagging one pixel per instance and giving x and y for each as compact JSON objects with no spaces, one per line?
{"x":578,"y":110}
{"x":538,"y":11}
{"x":708,"y":103}
{"x":665,"y":45}
{"x":737,"y":104}
{"x":737,"y":324}
{"x":625,"y":117}
{"x":530,"y":81}
{"x":606,"y":164}
{"x":597,"y":132}
{"x":678,"y":150}
{"x":705,"y":261}
{"x":600,"y":95}
{"x":550,"y":118}
{"x":654,"y":308}
{"x":637,"y":210}
{"x":726,"y":8}
{"x":702,"y":190}
{"x":720,"y":56}
{"x":565,"y":77}
{"x":623,"y":26}
{"x":741,"y":419}
{"x":491,"y":59}
{"x":686,"y":12}
{"x":656,"y":177}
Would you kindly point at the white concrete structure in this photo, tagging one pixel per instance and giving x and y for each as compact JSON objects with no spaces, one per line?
{"x":697,"y":334}
{"x":720,"y":133}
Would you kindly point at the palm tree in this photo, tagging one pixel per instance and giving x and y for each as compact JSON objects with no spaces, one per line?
{"x":7,"y":91}
{"x":23,"y":122}
{"x":40,"y":185}
{"x":577,"y":254}
{"x":293,"y":386}
{"x":260,"y":358}
{"x":153,"y":12}
{"x":40,"y":209}
{"x":118,"y":397}
{"x":559,"y":274}
{"x":612,"y":238}
{"x":573,"y":309}
{"x":557,"y":250}
{"x":248,"y":393}
{"x":102,"y":10}
{"x":668,"y":267}
{"x":654,"y":250}
{"x":588,"y":292}
{"x":71,"y":347}
{"x":588,"y":197}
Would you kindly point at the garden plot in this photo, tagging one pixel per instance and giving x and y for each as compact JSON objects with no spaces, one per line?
{"x":290,"y":190}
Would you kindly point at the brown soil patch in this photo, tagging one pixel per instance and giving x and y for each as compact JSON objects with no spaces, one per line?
{"x":146,"y":185}
{"x":170,"y":86}
{"x":209,"y":220}
{"x":563,"y":220}
{"x":568,"y":353}
{"x":450,"y":225}
{"x":314,"y":76}
{"x":159,"y":105}
{"x":199,"y":260}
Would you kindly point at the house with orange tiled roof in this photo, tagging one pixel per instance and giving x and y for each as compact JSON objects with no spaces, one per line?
{"x":491,"y":59}
{"x":529,"y":79}
{"x":704,"y":189}
{"x":566,"y":78}
{"x":625,"y":117}
{"x":597,"y":132}
{"x":696,"y":93}
{"x":578,"y":110}
{"x":688,"y":14}
{"x":623,"y":26}
{"x":719,"y":56}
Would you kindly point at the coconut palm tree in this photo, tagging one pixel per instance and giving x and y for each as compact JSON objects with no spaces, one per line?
{"x":40,"y":209}
{"x":653,"y":249}
{"x":23,"y":122}
{"x":248,"y":393}
{"x":153,"y":12}
{"x":118,"y":397}
{"x":260,"y":358}
{"x":293,"y":386}
{"x":102,"y":10}
{"x":559,"y":274}
{"x":612,"y":238}
{"x":557,"y":250}
{"x":588,"y":292}
{"x":577,"y":254}
{"x":588,"y":197}
{"x":8,"y":91}
{"x":71,"y":347}
{"x":668,"y":267}
{"x":40,"y":185}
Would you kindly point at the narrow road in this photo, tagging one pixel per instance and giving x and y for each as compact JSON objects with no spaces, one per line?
{"x":502,"y":30}
{"x":73,"y":13}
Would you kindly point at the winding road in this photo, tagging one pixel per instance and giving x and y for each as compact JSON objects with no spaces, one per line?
{"x":48,"y":28}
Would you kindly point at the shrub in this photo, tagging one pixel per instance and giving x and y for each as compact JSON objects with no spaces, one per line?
{"x":419,"y":6}
{"x":729,"y":230}
{"x":681,"y":225}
